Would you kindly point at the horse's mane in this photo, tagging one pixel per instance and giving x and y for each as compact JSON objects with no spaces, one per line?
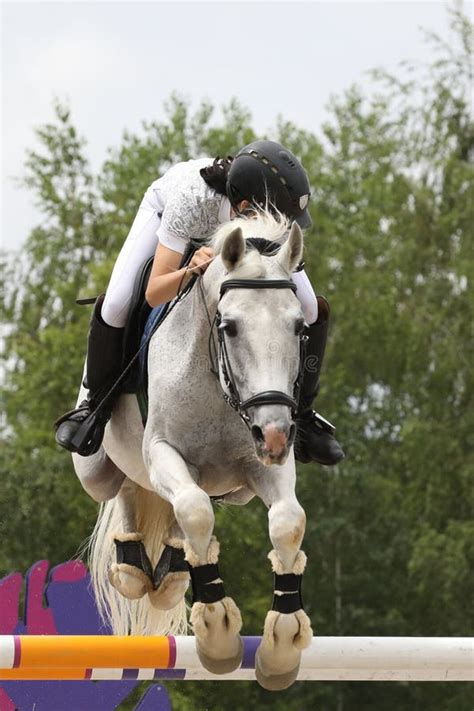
{"x":273,"y":227}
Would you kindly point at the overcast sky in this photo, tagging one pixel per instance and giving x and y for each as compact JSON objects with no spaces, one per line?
{"x":117,"y":62}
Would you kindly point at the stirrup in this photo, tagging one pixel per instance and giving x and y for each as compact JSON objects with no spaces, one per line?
{"x":90,"y":433}
{"x":323,"y":423}
{"x":310,"y":416}
{"x":83,"y":407}
{"x":88,"y":425}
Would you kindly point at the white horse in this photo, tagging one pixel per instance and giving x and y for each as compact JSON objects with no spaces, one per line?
{"x":157,"y":482}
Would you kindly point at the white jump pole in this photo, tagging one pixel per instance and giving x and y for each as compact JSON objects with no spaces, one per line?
{"x":327,"y":659}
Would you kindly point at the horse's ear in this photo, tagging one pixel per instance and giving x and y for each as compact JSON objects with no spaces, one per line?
{"x":233,"y":249}
{"x":291,"y":253}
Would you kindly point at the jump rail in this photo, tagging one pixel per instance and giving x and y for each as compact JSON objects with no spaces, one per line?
{"x":94,"y":657}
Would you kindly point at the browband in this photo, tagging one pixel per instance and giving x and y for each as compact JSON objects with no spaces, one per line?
{"x":257,"y":284}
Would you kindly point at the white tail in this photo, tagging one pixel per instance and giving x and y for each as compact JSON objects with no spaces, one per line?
{"x":134,"y":617}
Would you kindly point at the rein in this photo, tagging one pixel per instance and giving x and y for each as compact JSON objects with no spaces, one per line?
{"x":221,"y":354}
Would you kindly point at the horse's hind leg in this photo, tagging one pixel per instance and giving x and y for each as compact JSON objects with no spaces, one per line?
{"x":132,"y":574}
{"x":171,"y":574}
{"x":287,"y":629}
{"x":215,"y":617}
{"x":99,"y":476}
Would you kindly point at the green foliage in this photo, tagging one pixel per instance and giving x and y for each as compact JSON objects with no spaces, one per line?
{"x":389,"y":537}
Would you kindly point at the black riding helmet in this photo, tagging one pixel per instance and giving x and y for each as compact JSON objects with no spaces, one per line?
{"x":265,"y":171}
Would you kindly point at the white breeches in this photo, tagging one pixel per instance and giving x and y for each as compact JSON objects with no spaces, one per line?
{"x":140,"y":245}
{"x":306,"y":295}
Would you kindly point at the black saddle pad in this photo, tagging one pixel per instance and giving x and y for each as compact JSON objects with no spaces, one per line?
{"x":137,"y":318}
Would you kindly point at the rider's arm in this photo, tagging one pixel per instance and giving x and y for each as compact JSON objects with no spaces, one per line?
{"x":166,"y":277}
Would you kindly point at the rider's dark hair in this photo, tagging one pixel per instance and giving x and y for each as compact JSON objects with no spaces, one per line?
{"x":215,"y":175}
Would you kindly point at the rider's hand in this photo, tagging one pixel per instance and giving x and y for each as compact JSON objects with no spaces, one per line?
{"x":201,"y":260}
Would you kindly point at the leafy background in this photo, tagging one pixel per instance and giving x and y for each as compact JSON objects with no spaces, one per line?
{"x":390,"y":534}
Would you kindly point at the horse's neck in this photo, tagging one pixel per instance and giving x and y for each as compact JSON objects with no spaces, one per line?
{"x":201,"y":314}
{"x":188,"y":327}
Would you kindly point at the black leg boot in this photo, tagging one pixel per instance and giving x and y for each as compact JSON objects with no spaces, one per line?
{"x":82,"y":430}
{"x":315,"y":439}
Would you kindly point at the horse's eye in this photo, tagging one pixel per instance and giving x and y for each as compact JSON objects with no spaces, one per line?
{"x":229,"y":327}
{"x":299,"y":326}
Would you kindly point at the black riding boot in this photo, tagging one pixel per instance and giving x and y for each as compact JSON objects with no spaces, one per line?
{"x":315,"y":439}
{"x":82,"y":430}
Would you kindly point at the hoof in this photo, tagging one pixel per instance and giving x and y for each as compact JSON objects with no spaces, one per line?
{"x":171,"y":591}
{"x":129,"y":581}
{"x":216,"y":627}
{"x":221,"y":666}
{"x":275,"y":682}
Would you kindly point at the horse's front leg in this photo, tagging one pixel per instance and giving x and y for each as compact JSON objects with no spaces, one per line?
{"x":215,"y":617}
{"x":287,"y":629}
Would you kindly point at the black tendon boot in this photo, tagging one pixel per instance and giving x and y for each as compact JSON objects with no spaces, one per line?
{"x":315,"y":439}
{"x":82,"y":430}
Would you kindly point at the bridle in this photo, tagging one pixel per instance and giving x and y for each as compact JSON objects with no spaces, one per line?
{"x":267,"y":397}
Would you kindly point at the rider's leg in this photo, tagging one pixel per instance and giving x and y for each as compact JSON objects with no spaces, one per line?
{"x":104,"y":360}
{"x":314,"y":436}
{"x":104,"y":353}
{"x":139,"y":246}
{"x":306,"y":295}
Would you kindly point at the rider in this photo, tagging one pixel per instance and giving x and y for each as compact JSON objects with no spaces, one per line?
{"x":191,"y":199}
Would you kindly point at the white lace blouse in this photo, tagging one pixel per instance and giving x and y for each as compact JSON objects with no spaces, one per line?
{"x":188,"y":206}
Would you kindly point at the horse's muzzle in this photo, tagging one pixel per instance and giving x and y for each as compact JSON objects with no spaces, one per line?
{"x":273,"y":441}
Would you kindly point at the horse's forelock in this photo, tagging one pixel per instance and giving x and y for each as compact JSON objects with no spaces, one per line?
{"x":265,"y":225}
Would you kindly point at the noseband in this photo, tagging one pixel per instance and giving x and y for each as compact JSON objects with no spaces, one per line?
{"x":267,"y":397}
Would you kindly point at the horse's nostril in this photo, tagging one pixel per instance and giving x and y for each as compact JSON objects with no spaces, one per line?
{"x":257,"y":434}
{"x":291,"y":435}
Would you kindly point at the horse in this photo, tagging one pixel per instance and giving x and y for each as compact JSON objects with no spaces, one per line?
{"x":220,"y":424}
